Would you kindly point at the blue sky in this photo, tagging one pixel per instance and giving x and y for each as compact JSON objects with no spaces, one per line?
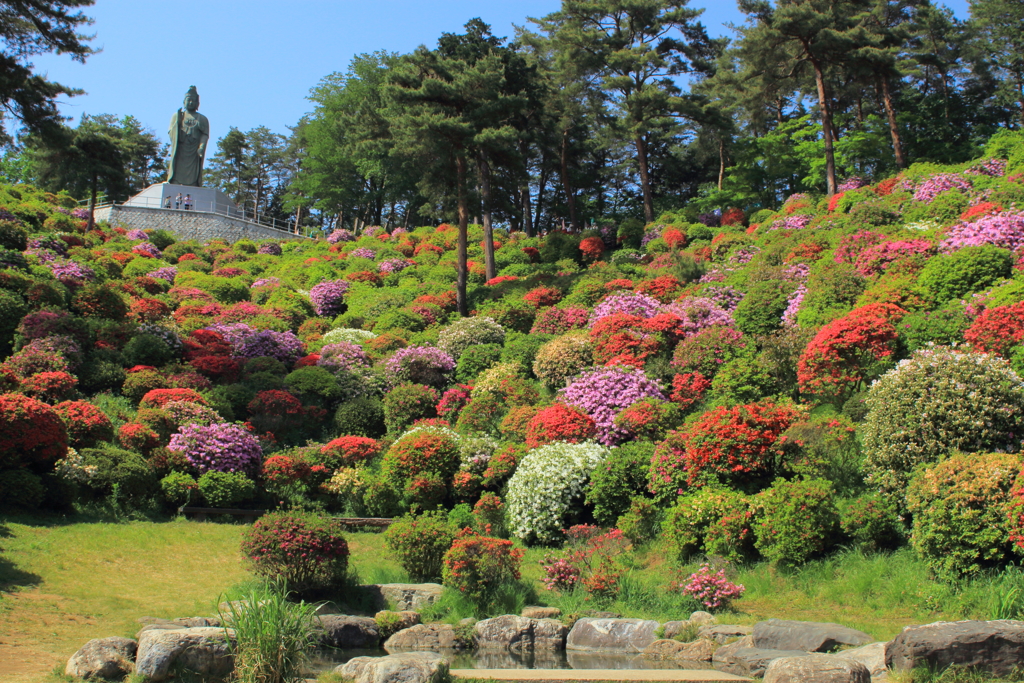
{"x":254,"y":61}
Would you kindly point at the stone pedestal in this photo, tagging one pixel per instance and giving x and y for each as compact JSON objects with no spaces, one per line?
{"x":206,"y":199}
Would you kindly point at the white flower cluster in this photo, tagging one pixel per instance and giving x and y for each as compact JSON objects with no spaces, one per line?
{"x":347,"y":334}
{"x":476,"y":451}
{"x":923,"y":225}
{"x":545,"y":486}
{"x":465,"y":332}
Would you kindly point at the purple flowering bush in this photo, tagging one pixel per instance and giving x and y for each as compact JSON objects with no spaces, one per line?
{"x":420,"y":365}
{"x":632,"y":303}
{"x":265,"y":282}
{"x":363,"y":252}
{"x":166,"y":273}
{"x":393,"y":265}
{"x":329,"y":297}
{"x":284,"y":346}
{"x":218,"y":448}
{"x":698,"y":313}
{"x":340,"y":235}
{"x":137,"y":235}
{"x":1005,"y":230}
{"x":603,"y":393}
{"x":343,"y":356}
{"x":796,"y":222}
{"x":271,"y":248}
{"x":48,"y":244}
{"x":852,"y":183}
{"x":69,"y":272}
{"x":933,"y":186}
{"x":147,"y":248}
{"x":793,"y":306}
{"x":725,"y":296}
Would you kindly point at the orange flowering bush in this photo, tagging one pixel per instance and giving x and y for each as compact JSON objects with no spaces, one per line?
{"x":477,"y":566}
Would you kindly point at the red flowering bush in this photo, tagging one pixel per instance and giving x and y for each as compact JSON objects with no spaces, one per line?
{"x":543,"y":296}
{"x":590,"y":560}
{"x":724,"y":444}
{"x":206,"y":343}
{"x":138,"y":437}
{"x":349,"y":451}
{"x":218,"y":368}
{"x":31,"y":433}
{"x":273,"y":410}
{"x":424,"y":449}
{"x":284,"y":469}
{"x":559,"y":422}
{"x":649,"y":419}
{"x":732,"y":216}
{"x":982,"y":209}
{"x":477,"y":566}
{"x":86,"y":424}
{"x":674,"y":237}
{"x":453,"y":401}
{"x":688,"y":389}
{"x":51,"y":387}
{"x":591,"y":248}
{"x":663,"y":288}
{"x":997,"y":329}
{"x":501,"y":466}
{"x":560,"y":320}
{"x":304,"y":550}
{"x":148,"y":310}
{"x":516,"y":422}
{"x":158,"y":398}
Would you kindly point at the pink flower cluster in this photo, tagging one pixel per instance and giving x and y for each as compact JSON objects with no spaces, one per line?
{"x":711,"y":588}
{"x":603,"y":393}
{"x":989,"y":167}
{"x":1004,"y":230}
{"x":166,"y":273}
{"x":340,"y":235}
{"x":136,"y":235}
{"x":343,"y":356}
{"x":393,"y":265}
{"x":420,"y":365}
{"x":793,"y":307}
{"x":795,"y":222}
{"x":725,"y":296}
{"x":743,"y":255}
{"x":851,"y":183}
{"x":270,"y":248}
{"x":328,"y":297}
{"x":69,"y":272}
{"x":875,"y":259}
{"x":698,"y":313}
{"x":935,"y":185}
{"x":851,"y":246}
{"x":632,"y":303}
{"x":560,"y":320}
{"x":265,"y":282}
{"x":363,"y":252}
{"x":146,"y":249}
{"x":219,"y":447}
{"x":559,"y":574}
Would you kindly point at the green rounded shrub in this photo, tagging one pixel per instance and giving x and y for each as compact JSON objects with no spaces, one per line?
{"x":179,"y":488}
{"x":21,"y":489}
{"x":796,"y":521}
{"x":689,"y":523}
{"x":419,"y":543}
{"x":618,"y":480}
{"x":760,"y":311}
{"x":475,"y":360}
{"x":361,"y":417}
{"x":407,"y":403}
{"x":225,"y":489}
{"x":970,"y":269}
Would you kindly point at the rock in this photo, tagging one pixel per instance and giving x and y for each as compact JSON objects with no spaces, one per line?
{"x":198,"y":622}
{"x":871,"y":656}
{"x":157,"y":624}
{"x":404,"y":596}
{"x":743,"y":659}
{"x":698,"y":651}
{"x":328,"y":608}
{"x":807,"y":636}
{"x":468,"y":621}
{"x":226,"y":609}
{"x":401,"y":620}
{"x":426,"y":637}
{"x":993,"y":646}
{"x":201,"y":650}
{"x":112,"y":658}
{"x":723,"y":633}
{"x":348,"y":633}
{"x":663,"y":649}
{"x":816,"y":668}
{"x":609,"y":635}
{"x":597,"y":614}
{"x":407,"y":667}
{"x":703,"y":618}
{"x":535,"y":612}
{"x":519,"y":634}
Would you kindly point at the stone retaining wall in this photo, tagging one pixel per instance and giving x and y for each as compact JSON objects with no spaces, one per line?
{"x":189,"y":225}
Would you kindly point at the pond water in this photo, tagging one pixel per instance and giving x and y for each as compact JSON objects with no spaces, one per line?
{"x":325,"y":660}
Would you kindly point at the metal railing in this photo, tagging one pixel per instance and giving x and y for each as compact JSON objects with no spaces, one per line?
{"x":168,"y":204}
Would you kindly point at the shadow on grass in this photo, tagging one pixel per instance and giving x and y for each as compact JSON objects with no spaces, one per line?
{"x":10,"y":576}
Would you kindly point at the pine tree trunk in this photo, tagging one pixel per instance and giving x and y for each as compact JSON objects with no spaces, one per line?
{"x":570,"y":198}
{"x":826,"y":128}
{"x":460,"y":288}
{"x":890,"y":114}
{"x":645,"y":178}
{"x":540,"y":193}
{"x":485,"y":187}
{"x":721,"y":162}
{"x":92,"y":203}
{"x":527,"y":211}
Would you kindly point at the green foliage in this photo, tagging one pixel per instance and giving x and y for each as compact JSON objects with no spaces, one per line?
{"x":641,"y":522}
{"x":944,"y":326}
{"x":420,"y":542}
{"x":314,"y":385}
{"x":970,"y":269}
{"x":179,"y":488}
{"x":618,"y":480}
{"x":225,"y":489}
{"x":795,"y":521}
{"x":710,"y":521}
{"x":21,"y":489}
{"x":361,"y":417}
{"x":761,"y":310}
{"x":147,"y":349}
{"x":475,"y":360}
{"x":872,"y":522}
{"x":521,"y":348}
{"x":117,"y":470}
{"x":407,"y":403}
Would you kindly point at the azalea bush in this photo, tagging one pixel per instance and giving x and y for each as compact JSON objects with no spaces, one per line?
{"x":304,"y":550}
{"x":220,"y":447}
{"x":606,"y":392}
{"x":479,"y":566}
{"x":711,"y":588}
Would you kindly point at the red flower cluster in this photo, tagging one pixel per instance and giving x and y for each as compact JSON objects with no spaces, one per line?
{"x":663,"y":288}
{"x":885,"y":187}
{"x":453,"y":401}
{"x":86,"y":424}
{"x":424,"y":451}
{"x":138,"y":437}
{"x":543,"y":296}
{"x":31,"y":433}
{"x":348,"y":451}
{"x":689,"y":388}
{"x":286,"y":469}
{"x":158,"y":398}
{"x":148,"y":310}
{"x":997,"y":329}
{"x":979,"y":210}
{"x":501,"y":278}
{"x":478,"y":565}
{"x":364,"y":276}
{"x":833,"y":202}
{"x":674,"y":237}
{"x":591,"y":248}
{"x":559,"y":422}
{"x":732,"y":216}
{"x":218,"y":368}
{"x":51,"y":387}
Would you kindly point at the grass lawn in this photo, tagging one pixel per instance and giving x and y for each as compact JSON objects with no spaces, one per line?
{"x":62,"y":584}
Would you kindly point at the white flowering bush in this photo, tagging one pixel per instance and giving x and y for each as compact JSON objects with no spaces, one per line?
{"x":940,"y":400}
{"x":490,"y":380}
{"x":466,"y":332}
{"x":475,"y":452}
{"x":347,"y":334}
{"x":546,"y":486}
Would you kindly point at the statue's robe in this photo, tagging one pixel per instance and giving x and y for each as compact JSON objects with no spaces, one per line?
{"x":186,"y":166}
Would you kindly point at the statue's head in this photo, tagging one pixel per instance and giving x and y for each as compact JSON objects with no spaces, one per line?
{"x":192,"y":99}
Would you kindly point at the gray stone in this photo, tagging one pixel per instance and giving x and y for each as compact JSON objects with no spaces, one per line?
{"x":807,"y":636}
{"x":189,"y":132}
{"x":671,"y":629}
{"x":871,"y":656}
{"x":535,"y":612}
{"x":994,"y":646}
{"x":198,"y":622}
{"x":407,"y":667}
{"x":103,"y":658}
{"x":549,"y":634}
{"x":723,"y":633}
{"x":743,"y":659}
{"x":402,"y":620}
{"x":426,"y":637}
{"x":598,"y":614}
{"x":611,"y":635}
{"x":201,"y":650}
{"x":347,"y":633}
{"x":701,"y":617}
{"x":519,"y":634}
{"x":197,"y":225}
{"x":329,"y":608}
{"x":663,"y":649}
{"x":700,"y":650}
{"x":405,"y":596}
{"x":816,"y":668}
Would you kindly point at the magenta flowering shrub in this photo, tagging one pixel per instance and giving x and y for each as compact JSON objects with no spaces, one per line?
{"x":265,"y":282}
{"x":147,"y":249}
{"x":990,"y":167}
{"x":711,"y":588}
{"x":933,"y":186}
{"x":851,"y":183}
{"x":698,"y":313}
{"x":284,"y":346}
{"x":340,"y":235}
{"x":270,"y":248}
{"x":329,"y":297}
{"x":80,"y":214}
{"x":218,"y":448}
{"x":363,"y":252}
{"x":137,"y":235}
{"x":793,"y":306}
{"x":603,"y":393}
{"x":743,"y":255}
{"x":420,"y":365}
{"x":796,"y":222}
{"x":632,"y":303}
{"x":233,"y":333}
{"x":1005,"y":230}
{"x":343,"y":356}
{"x":48,"y":244}
{"x":553,"y":320}
{"x":393,"y":265}
{"x":166,"y":273}
{"x":372,"y":231}
{"x":652,"y":233}
{"x":725,"y":296}
{"x":877,"y":258}
{"x":69,"y":272}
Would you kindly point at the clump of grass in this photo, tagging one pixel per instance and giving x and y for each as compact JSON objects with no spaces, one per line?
{"x":272,"y":636}
{"x":953,"y":674}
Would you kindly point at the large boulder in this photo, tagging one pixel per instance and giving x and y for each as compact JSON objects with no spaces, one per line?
{"x":519,"y":634}
{"x":611,"y":635}
{"x":808,"y":636}
{"x":549,"y":634}
{"x":203,"y":651}
{"x":535,"y":612}
{"x":700,"y":650}
{"x":743,"y":659}
{"x":816,"y":668}
{"x":406,"y":667}
{"x":723,"y":633}
{"x":994,"y":646}
{"x":426,"y":638}
{"x":404,"y":596}
{"x":397,"y":620}
{"x":111,"y":658}
{"x":347,"y":633}
{"x":871,"y":656}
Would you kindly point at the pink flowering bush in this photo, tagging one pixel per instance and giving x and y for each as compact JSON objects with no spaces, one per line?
{"x":877,"y":258}
{"x":559,"y":320}
{"x":305,"y":550}
{"x":711,"y":588}
{"x":265,"y":282}
{"x":697,"y":314}
{"x":284,"y":346}
{"x":343,"y":356}
{"x":1005,"y":230}
{"x":329,"y":297}
{"x":420,"y":365}
{"x":793,"y":306}
{"x":933,"y":186}
{"x":218,"y":448}
{"x":340,"y":235}
{"x":797,"y":222}
{"x":166,"y":273}
{"x":363,"y":252}
{"x":393,"y":265}
{"x":271,"y":248}
{"x":627,"y":302}
{"x":603,"y":393}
